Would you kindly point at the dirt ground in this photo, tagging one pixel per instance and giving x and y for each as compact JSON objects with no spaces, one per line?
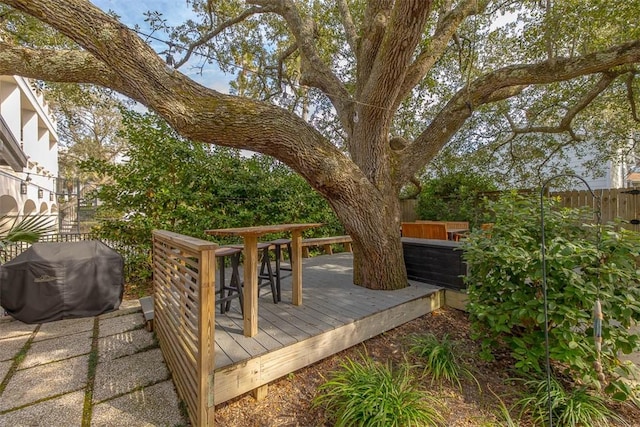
{"x":289,"y":400}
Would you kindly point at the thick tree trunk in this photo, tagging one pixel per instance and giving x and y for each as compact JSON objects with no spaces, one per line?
{"x":378,"y":262}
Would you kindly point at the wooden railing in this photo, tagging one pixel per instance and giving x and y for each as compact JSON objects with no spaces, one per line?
{"x":184,"y":317}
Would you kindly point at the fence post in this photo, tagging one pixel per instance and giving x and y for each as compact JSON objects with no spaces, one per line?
{"x":206,"y":339}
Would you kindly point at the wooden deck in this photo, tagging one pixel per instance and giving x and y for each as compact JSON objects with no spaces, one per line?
{"x":335,"y":315}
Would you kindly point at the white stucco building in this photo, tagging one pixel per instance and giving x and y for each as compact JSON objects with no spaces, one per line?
{"x":28,"y":150}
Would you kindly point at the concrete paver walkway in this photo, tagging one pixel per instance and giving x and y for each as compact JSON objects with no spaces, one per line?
{"x":97,"y":371}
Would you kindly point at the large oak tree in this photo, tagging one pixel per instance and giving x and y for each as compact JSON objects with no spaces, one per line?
{"x":392,"y":82}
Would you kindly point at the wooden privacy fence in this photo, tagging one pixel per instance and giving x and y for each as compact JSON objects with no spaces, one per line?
{"x":408,"y":210}
{"x":184,"y":317}
{"x":621,"y":203}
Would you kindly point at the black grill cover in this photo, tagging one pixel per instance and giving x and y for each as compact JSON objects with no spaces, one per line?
{"x":53,"y":281}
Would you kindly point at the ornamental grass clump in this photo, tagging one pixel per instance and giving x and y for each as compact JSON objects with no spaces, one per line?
{"x":577,"y":407}
{"x":440,"y":358}
{"x":372,"y":394}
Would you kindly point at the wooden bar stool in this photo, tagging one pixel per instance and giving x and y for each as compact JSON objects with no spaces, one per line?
{"x":266,"y":274}
{"x":278,"y":244}
{"x":233,"y":289}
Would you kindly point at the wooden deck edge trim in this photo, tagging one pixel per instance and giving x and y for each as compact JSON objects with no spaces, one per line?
{"x":238,"y":379}
{"x":146,"y":304}
{"x":456,"y":299}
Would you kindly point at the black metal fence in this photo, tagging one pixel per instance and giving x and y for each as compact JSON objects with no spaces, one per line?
{"x":131,"y":254}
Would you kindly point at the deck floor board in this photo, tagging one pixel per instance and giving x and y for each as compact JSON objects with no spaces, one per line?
{"x":335,"y":314}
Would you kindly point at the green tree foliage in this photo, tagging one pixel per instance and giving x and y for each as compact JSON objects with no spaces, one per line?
{"x":88,"y":122}
{"x":167,"y":182}
{"x":328,"y":87}
{"x":584,"y":263}
{"x":454,"y":197}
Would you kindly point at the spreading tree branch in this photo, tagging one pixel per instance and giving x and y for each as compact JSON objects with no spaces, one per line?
{"x":448,"y":24}
{"x":350,"y":30}
{"x":631,"y":97}
{"x":74,"y":66}
{"x":315,"y":72}
{"x":565,"y":123}
{"x":205,"y":38}
{"x":116,"y":57}
{"x":402,"y":34}
{"x":498,"y":85}
{"x":376,"y":17}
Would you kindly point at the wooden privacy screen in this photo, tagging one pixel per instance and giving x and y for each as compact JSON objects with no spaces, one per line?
{"x":184,"y":317}
{"x":425,"y":230}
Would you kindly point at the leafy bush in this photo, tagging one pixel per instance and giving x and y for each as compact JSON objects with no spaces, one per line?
{"x":174,"y":184}
{"x":584,"y":263}
{"x":573,"y":408}
{"x":454,"y":197}
{"x":371,"y":394}
{"x":440,"y":357}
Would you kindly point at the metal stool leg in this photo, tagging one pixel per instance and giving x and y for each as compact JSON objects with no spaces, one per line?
{"x":233,"y":289}
{"x":268,"y":274}
{"x":235,"y":279}
{"x":279,"y":268}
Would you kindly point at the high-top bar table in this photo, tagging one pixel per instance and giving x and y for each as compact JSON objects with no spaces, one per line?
{"x":250,"y":236}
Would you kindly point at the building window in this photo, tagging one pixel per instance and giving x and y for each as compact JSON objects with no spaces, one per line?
{"x":40,"y":193}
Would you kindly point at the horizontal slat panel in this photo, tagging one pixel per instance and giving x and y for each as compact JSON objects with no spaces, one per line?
{"x":177,"y":306}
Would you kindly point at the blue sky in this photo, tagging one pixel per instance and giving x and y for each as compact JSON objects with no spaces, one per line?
{"x":131,"y":12}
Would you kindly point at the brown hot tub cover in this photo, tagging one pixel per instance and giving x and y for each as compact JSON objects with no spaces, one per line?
{"x":53,"y":281}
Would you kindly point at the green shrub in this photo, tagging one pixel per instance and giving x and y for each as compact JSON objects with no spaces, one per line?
{"x":506,"y":289}
{"x":454,"y":197}
{"x":575,"y":408}
{"x":371,"y":394}
{"x":440,"y":358}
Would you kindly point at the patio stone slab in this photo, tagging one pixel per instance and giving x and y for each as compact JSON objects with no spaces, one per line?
{"x":156,"y":405}
{"x":65,"y":327}
{"x":33,"y":384}
{"x":118,"y":376}
{"x":116,"y":325}
{"x":15,"y":328}
{"x":65,"y":410}
{"x":9,"y":347}
{"x":126,"y":307}
{"x":124,"y":344}
{"x":55,"y":349}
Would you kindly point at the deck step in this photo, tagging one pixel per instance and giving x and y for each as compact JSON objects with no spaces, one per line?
{"x":146,"y":303}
